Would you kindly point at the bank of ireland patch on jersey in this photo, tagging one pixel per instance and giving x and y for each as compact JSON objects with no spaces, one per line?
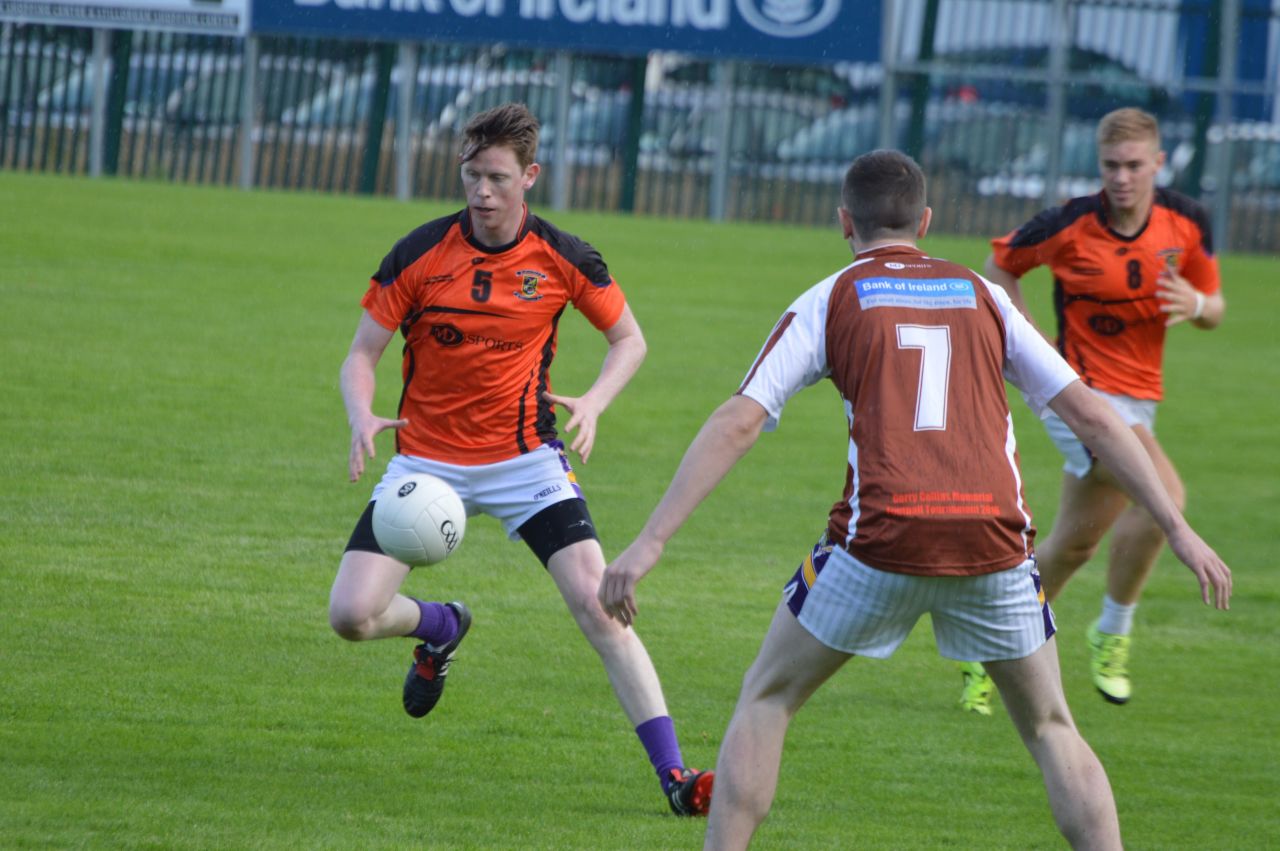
{"x":919,"y":293}
{"x":529,"y":281}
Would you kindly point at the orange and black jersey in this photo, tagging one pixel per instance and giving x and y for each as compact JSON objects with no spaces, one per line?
{"x":1110,"y":328}
{"x":480,"y":325}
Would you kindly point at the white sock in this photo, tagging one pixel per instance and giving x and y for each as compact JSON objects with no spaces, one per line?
{"x":1116,"y":619}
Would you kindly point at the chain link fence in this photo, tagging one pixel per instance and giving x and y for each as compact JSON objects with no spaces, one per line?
{"x":997,"y":99}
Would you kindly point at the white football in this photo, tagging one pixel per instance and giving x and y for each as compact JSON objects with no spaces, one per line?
{"x":418,"y":519}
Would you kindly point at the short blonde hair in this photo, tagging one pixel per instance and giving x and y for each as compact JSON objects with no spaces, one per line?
{"x":1128,"y":125}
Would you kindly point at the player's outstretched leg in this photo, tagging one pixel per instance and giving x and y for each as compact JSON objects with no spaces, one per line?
{"x":577,"y":570}
{"x":424,"y":683}
{"x":1136,"y":541}
{"x":790,"y":667}
{"x":1079,"y":792}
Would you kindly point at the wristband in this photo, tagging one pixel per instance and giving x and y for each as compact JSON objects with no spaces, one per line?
{"x":1199,"y":311}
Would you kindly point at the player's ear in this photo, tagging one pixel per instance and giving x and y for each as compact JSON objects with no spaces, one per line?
{"x":530,"y":176}
{"x":925,"y":219}
{"x":846,"y":223}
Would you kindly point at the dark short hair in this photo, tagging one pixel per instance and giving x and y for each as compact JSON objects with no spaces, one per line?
{"x":884,"y":194}
{"x":510,"y":125}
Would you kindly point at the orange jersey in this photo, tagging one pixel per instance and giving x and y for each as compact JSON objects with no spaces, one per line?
{"x":1110,"y":327}
{"x":480,"y":325}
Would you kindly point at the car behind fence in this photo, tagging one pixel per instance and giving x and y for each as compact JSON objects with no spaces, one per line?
{"x":662,"y":134}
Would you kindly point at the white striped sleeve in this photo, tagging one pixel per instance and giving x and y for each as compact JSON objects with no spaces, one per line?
{"x":794,"y":356}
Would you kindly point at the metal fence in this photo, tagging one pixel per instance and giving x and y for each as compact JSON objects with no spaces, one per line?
{"x":996,"y":98}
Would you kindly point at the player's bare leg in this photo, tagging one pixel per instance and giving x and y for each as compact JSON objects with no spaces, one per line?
{"x":1136,"y":540}
{"x":577,"y":570}
{"x":1087,"y":508}
{"x":365,"y":602}
{"x":1079,"y":792}
{"x":790,"y":667}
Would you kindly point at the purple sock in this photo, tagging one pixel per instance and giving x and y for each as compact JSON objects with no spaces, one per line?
{"x":438,"y":623}
{"x":658,"y":735}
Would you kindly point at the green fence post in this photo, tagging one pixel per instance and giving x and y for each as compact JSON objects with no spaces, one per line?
{"x":1205,"y":108}
{"x":920,"y":85}
{"x":121,"y":46}
{"x":386,"y":59}
{"x":631,"y":147}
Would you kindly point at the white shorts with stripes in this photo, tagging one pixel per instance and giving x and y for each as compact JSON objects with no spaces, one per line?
{"x":854,"y":608}
{"x":510,"y":491}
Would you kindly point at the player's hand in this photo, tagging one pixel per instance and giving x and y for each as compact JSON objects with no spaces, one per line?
{"x":617,"y":592}
{"x":1212,"y":574}
{"x":363,"y":431}
{"x":583,"y":414}
{"x":1178,"y":299}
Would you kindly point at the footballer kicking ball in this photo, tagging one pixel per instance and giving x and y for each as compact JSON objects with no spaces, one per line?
{"x":419,"y":519}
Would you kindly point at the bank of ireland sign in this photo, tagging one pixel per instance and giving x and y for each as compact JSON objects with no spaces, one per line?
{"x":789,"y":18}
{"x":803,"y":31}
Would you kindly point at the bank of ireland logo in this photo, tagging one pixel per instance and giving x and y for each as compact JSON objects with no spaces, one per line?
{"x":788,"y":18}
{"x":529,"y":281}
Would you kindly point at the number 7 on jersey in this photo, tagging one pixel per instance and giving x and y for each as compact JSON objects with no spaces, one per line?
{"x":934,"y":343}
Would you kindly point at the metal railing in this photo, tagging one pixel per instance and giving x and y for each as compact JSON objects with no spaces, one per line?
{"x":996,"y":98}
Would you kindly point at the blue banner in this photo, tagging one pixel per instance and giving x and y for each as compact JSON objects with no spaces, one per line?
{"x":800,"y":31}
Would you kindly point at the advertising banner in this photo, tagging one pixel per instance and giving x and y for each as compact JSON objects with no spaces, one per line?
{"x":211,"y":17}
{"x":800,"y":31}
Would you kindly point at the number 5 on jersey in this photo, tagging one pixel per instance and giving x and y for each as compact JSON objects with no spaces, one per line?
{"x":481,"y":284}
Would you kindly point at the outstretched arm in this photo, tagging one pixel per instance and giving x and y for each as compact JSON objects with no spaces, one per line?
{"x":626,"y":352}
{"x":358,"y":380}
{"x":1106,"y":435}
{"x":725,"y":437}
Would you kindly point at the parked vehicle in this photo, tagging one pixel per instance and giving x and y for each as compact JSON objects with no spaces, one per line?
{"x":347,"y":99}
{"x":597,"y":120}
{"x":1253,"y":152}
{"x":210,"y":96}
{"x":152,"y":79}
{"x":682,"y":127}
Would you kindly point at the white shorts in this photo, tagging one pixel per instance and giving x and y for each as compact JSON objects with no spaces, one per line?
{"x":1078,"y":459}
{"x":511,"y":491}
{"x":854,"y":608}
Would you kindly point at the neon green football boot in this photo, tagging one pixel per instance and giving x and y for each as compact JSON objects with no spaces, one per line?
{"x":976,"y":696}
{"x":1109,"y":664}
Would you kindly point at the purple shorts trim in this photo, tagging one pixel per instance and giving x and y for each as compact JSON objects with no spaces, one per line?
{"x":797,"y":588}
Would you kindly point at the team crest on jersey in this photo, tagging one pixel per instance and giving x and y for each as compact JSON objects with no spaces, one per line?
{"x":529,"y":281}
{"x":1170,"y":256}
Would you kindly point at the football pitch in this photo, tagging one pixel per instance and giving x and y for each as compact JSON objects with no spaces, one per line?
{"x":173,"y":504}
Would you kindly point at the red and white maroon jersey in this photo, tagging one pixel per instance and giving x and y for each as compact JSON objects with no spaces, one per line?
{"x":919,"y":348}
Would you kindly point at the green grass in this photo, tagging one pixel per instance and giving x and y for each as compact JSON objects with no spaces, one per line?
{"x":173,"y":503}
